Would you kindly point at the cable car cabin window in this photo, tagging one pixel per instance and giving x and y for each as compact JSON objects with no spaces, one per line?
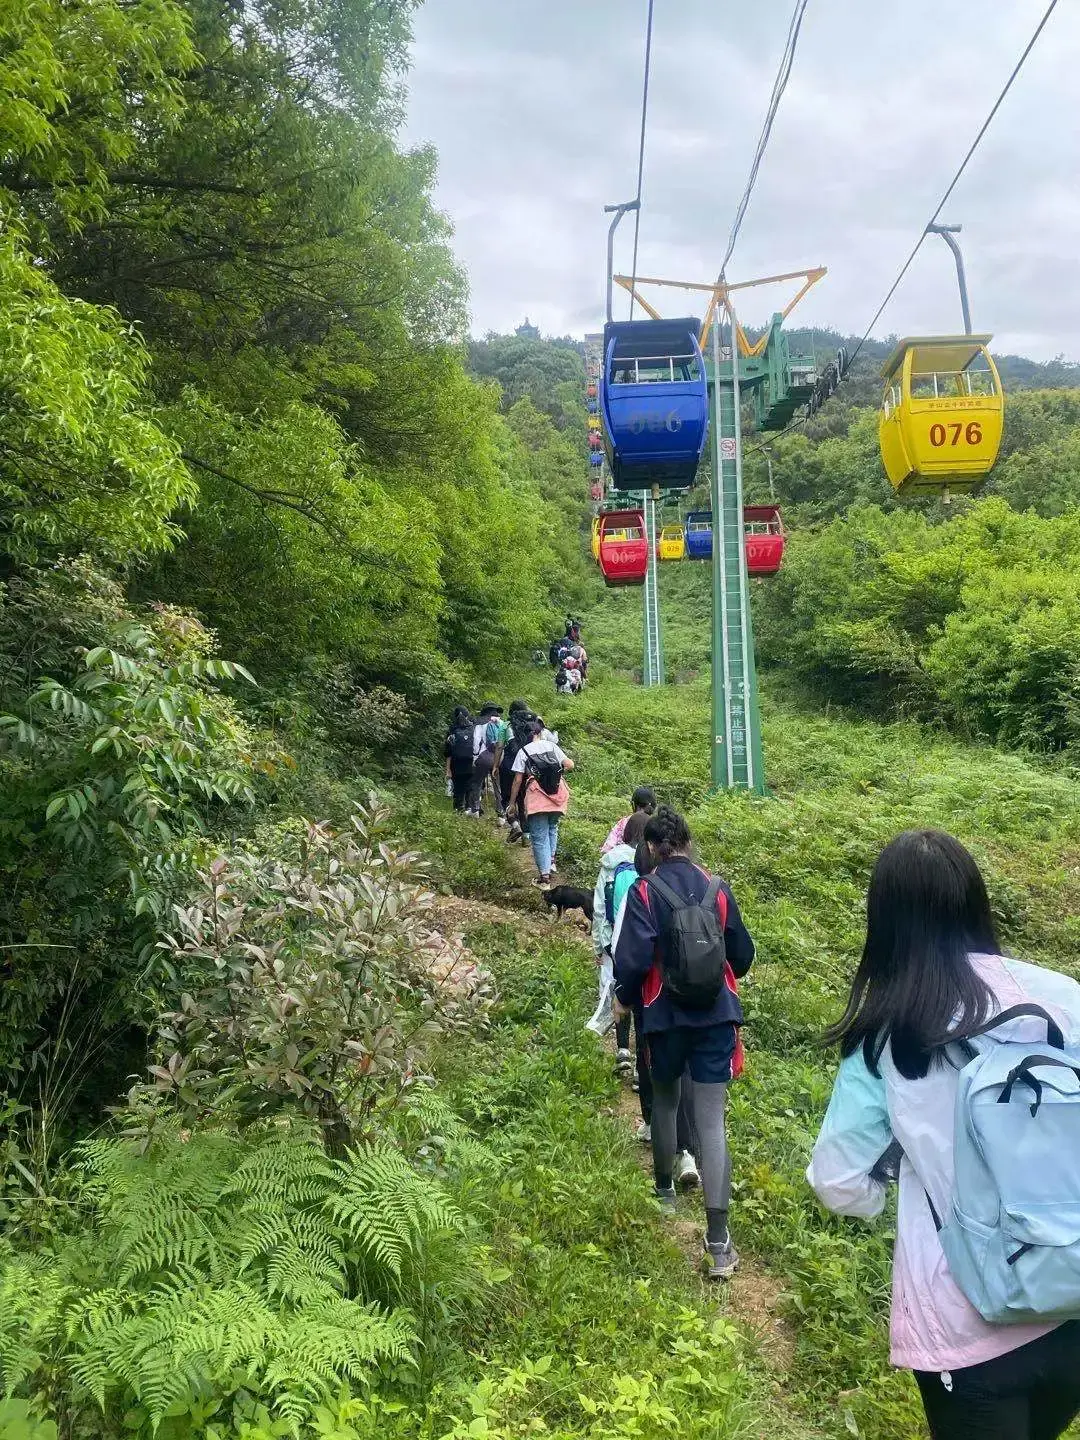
{"x":621,"y":537}
{"x":762,"y":527}
{"x":696,"y":527}
{"x":948,"y":384}
{"x":656,"y":370}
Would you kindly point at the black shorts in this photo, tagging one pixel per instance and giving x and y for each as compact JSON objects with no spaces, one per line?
{"x":705,"y":1050}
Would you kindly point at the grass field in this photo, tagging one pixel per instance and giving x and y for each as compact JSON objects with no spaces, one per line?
{"x":798,"y":861}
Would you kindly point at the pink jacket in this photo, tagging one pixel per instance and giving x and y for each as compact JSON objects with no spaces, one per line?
{"x":933,"y":1326}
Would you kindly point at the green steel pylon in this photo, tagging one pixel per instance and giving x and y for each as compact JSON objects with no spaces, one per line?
{"x":652,"y":670}
{"x":736,"y":723}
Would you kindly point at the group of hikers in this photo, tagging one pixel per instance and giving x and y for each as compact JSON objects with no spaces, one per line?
{"x":519,"y":762}
{"x":569,"y":659}
{"x":959,"y":1081}
{"x":671,"y":947}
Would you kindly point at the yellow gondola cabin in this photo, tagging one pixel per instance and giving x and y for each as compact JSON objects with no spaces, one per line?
{"x":596,"y":538}
{"x":941,"y":414}
{"x":672,"y":543}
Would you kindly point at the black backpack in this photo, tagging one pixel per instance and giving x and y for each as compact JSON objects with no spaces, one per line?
{"x":546,"y":770}
{"x":692,"y":950}
{"x":461,"y":743}
{"x":519,"y":737}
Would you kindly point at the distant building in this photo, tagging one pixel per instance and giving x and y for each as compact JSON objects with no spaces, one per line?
{"x":527,"y":331}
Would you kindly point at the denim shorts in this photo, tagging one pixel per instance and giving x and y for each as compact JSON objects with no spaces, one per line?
{"x":705,"y":1050}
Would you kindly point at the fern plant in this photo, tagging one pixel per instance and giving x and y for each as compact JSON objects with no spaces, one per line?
{"x":220,"y":1261}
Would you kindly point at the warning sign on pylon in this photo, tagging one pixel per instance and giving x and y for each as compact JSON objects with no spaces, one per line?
{"x":727,"y":447}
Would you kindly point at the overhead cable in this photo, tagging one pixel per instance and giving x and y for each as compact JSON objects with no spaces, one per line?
{"x":641,"y":150}
{"x":956,"y":178}
{"x":939,"y":207}
{"x":783,"y":74}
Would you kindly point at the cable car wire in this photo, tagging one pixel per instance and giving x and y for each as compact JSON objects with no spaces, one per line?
{"x":783,"y":74}
{"x":641,"y":151}
{"x":798,"y":424}
{"x":956,"y":178}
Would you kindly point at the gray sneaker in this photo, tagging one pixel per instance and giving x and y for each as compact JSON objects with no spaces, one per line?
{"x":666,"y":1199}
{"x":686,"y":1171}
{"x":721,"y":1259}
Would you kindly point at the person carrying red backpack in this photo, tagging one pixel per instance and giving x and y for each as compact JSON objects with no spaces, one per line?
{"x":682,"y":947}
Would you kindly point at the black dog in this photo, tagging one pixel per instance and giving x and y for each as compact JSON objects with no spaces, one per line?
{"x":569,"y":897}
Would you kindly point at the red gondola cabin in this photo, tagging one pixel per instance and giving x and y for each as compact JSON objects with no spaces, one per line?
{"x":595,"y":440}
{"x":764,"y":539}
{"x":624,"y":550}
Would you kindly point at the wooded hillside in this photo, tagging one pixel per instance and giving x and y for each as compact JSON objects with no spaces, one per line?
{"x":302,"y":1134}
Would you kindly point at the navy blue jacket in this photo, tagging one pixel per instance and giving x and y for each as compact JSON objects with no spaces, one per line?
{"x":639,"y":978}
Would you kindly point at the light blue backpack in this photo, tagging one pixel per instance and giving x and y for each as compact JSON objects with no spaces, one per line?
{"x":1012,"y":1240}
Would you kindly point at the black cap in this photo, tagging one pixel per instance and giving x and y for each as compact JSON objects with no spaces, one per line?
{"x":491,"y":709}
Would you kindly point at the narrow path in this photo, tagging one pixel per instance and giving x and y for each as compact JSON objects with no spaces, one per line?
{"x":753,"y":1298}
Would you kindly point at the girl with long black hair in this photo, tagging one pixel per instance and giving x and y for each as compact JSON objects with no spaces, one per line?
{"x":931,"y":974}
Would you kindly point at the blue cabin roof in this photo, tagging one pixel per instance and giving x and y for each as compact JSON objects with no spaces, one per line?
{"x":637,"y":338}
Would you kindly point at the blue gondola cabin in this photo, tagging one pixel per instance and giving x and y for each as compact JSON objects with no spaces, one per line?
{"x":698,"y":531}
{"x":654,"y":401}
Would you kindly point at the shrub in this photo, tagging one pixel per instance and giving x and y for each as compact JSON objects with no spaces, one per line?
{"x":311,"y":982}
{"x":115,"y":769}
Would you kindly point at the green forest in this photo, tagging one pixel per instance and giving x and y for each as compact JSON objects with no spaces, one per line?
{"x":302,"y":1134}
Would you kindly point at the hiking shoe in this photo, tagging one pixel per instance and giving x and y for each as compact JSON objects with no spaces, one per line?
{"x":666,"y":1199}
{"x":643,"y":1132}
{"x":502,"y":821}
{"x":721,"y":1259}
{"x":686,"y":1171}
{"x":515,"y":833}
{"x":624,"y":1062}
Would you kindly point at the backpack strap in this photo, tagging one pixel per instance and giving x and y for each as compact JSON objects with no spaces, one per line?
{"x":677,"y":902}
{"x":713,"y":896}
{"x":1023,"y":1072}
{"x":1054,"y":1037}
{"x":662,"y":888}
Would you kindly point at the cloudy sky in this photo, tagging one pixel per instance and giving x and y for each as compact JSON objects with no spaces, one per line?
{"x":534,"y":107}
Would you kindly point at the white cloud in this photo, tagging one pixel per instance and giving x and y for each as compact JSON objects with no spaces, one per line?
{"x":534,"y":110}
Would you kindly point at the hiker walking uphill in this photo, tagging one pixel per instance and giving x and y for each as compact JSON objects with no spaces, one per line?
{"x":681,"y":947}
{"x":642,"y":802}
{"x":539,"y":769}
{"x":686,"y":1174}
{"x":959,"y":1076}
{"x":487,"y":734}
{"x":516,"y":734}
{"x":460,"y":762}
{"x":615,"y":876}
